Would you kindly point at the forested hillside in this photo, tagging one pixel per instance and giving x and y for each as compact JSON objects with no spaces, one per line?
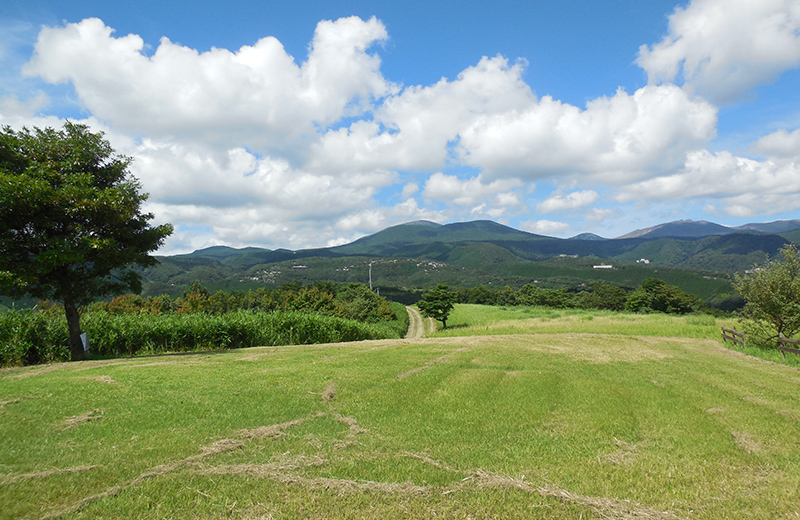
{"x":404,"y":260}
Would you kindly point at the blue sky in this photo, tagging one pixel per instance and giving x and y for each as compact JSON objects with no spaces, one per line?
{"x":307,"y":124}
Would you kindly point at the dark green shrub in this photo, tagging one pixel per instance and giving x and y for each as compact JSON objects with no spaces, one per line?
{"x":603,"y":296}
{"x":656,"y":295}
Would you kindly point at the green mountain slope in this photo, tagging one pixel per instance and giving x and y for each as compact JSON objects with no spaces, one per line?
{"x":792,"y":236}
{"x":421,"y":254}
{"x":717,"y":252}
{"x":681,"y":228}
{"x":392,"y":241}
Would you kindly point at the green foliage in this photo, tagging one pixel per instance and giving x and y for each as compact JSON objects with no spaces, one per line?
{"x":70,"y":219}
{"x":603,"y":296}
{"x":129,"y":334}
{"x":30,"y":336}
{"x":598,"y":295}
{"x":126,"y":304}
{"x":195,"y":299}
{"x":480,"y":243}
{"x":405,"y":279}
{"x":772,"y":293}
{"x":358,"y":302}
{"x":401,"y":319}
{"x":196,"y":289}
{"x":656,"y":295}
{"x":726,"y":302}
{"x":130,"y":324}
{"x":349,"y":301}
{"x":437,"y":303}
{"x":533,"y":295}
{"x":480,"y":295}
{"x":135,"y":304}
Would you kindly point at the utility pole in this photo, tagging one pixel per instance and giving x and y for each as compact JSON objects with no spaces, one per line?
{"x":370,"y":276}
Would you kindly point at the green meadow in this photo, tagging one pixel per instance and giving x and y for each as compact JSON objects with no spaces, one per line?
{"x":509,"y":413}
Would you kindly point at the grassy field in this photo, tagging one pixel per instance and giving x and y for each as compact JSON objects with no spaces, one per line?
{"x":481,"y":320}
{"x":504,"y":415}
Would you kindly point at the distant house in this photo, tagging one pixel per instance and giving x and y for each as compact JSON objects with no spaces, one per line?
{"x":603,"y":266}
{"x":643,"y":261}
{"x":299,"y":267}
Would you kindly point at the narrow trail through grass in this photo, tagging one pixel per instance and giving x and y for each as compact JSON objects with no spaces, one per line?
{"x":418,"y":326}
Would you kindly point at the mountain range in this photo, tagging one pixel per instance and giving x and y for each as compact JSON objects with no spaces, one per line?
{"x":685,"y":244}
{"x":702,"y":228}
{"x":675,"y":244}
{"x":419,"y":254}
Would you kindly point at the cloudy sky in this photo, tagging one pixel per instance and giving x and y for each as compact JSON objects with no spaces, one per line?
{"x":309,"y":124}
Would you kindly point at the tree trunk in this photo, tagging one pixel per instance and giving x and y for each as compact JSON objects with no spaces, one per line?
{"x":74,"y":326}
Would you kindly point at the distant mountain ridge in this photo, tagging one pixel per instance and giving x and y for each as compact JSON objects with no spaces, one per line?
{"x":417,"y":255}
{"x":393,"y":239}
{"x":778,"y":226}
{"x":681,"y":244}
{"x":703,"y":228}
{"x":588,"y":236}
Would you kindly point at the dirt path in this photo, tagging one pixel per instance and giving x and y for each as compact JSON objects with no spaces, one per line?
{"x":416,"y":324}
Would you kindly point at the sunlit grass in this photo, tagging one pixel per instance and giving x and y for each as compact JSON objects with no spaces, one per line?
{"x":484,"y":320}
{"x":468,"y":320}
{"x":555,"y":424}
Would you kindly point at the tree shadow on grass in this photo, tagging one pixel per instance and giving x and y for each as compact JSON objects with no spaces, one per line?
{"x":458,"y":326}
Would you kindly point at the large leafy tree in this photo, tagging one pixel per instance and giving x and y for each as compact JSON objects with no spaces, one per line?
{"x":71,"y":223}
{"x":437,"y":303}
{"x":772,"y":295}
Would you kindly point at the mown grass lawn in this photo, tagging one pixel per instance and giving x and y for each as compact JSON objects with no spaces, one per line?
{"x":472,"y":320}
{"x":586,"y":419}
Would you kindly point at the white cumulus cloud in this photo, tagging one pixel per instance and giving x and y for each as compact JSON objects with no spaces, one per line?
{"x":558,"y":201}
{"x":598,"y":215}
{"x":372,"y":220}
{"x":544,"y":227}
{"x":616,"y":138}
{"x":467,"y":192}
{"x":723,"y":48}
{"x":409,"y":189}
{"x":746,"y":185}
{"x":779,"y":145}
{"x":257,"y":96}
{"x":413,"y":128}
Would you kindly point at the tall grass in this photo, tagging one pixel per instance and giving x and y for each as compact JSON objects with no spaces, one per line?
{"x":31,"y":337}
{"x":28,"y":337}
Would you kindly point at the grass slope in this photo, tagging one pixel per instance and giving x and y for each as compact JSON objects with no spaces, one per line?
{"x":549,"y":422}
